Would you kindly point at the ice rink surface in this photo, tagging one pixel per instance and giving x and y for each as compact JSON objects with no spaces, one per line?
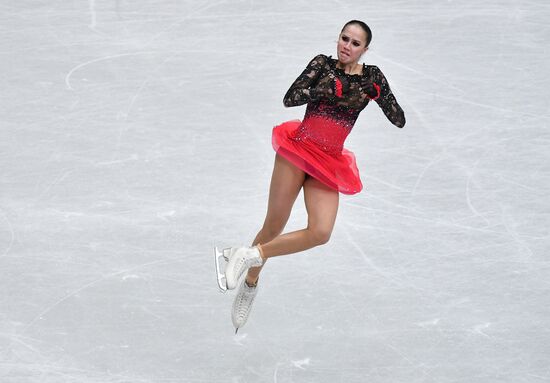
{"x":136,"y":135}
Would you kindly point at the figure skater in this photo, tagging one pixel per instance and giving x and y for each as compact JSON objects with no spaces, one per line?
{"x":310,"y":156}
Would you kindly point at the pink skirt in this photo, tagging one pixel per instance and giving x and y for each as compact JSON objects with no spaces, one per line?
{"x":333,"y":165}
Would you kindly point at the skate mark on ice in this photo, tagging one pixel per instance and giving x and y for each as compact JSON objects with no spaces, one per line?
{"x":433,"y":322}
{"x":445,"y":150}
{"x":469,"y":199}
{"x":239,"y":338}
{"x":415,"y":214}
{"x":386,"y":183}
{"x":93,"y":15}
{"x":104,"y":58}
{"x":402,"y":270}
{"x":505,"y":111}
{"x":148,"y":77}
{"x":479,"y":329}
{"x":133,"y":157}
{"x":391,"y":203}
{"x":132,"y":277}
{"x":443,"y":153}
{"x":515,"y":183}
{"x":367,"y":258}
{"x":462,"y":98}
{"x":471,"y":171}
{"x":16,"y":338}
{"x":473,"y":249}
{"x":165,"y":216}
{"x":12,"y":233}
{"x":506,"y":218}
{"x":276,"y":372}
{"x":171,"y":56}
{"x":434,"y":159}
{"x":438,"y":221}
{"x":90,"y":284}
{"x":446,"y":85}
{"x":415,"y":365}
{"x":301,"y":363}
{"x":54,"y":183}
{"x":511,"y":229}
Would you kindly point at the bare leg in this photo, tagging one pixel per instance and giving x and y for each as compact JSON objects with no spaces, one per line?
{"x":322,"y":207}
{"x":286,"y":182}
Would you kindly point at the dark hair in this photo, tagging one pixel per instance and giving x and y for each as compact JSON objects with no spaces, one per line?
{"x":363,"y":26}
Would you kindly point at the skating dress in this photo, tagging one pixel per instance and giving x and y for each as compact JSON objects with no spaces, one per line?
{"x":316,"y":144}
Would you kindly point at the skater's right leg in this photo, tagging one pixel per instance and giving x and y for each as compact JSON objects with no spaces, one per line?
{"x":286,"y":182}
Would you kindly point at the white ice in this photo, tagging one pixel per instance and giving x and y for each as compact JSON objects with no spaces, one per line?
{"x":136,"y":135}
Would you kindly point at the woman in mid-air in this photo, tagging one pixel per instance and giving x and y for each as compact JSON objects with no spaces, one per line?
{"x":310,"y":155}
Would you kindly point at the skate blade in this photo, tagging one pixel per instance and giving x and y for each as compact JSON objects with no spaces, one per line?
{"x":221,"y":258}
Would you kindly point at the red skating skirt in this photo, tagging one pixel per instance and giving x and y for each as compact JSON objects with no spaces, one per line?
{"x":331,"y":164}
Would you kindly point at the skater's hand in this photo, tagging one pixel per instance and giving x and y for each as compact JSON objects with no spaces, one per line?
{"x":370,"y":88}
{"x":330,"y":87}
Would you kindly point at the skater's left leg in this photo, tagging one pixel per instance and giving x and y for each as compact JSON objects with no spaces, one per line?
{"x":322,"y":207}
{"x":286,"y":183}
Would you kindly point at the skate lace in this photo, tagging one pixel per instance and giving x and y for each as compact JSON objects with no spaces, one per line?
{"x":245,"y":263}
{"x":244,"y":303}
{"x":242,"y":267}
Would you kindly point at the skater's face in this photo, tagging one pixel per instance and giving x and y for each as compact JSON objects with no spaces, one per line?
{"x":351,"y":44}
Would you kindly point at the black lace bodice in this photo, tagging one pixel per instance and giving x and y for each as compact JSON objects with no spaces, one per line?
{"x":321,"y":72}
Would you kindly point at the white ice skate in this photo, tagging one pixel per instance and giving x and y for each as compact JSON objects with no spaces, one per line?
{"x":243,"y":304}
{"x":221,"y":258}
{"x":232,"y":263}
{"x":239,"y":261}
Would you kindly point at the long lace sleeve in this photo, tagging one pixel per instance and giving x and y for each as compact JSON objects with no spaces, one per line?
{"x":387,"y":100}
{"x":299,"y":91}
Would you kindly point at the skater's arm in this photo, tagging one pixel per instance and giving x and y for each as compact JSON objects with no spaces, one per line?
{"x":386,"y":100}
{"x":300,"y":91}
